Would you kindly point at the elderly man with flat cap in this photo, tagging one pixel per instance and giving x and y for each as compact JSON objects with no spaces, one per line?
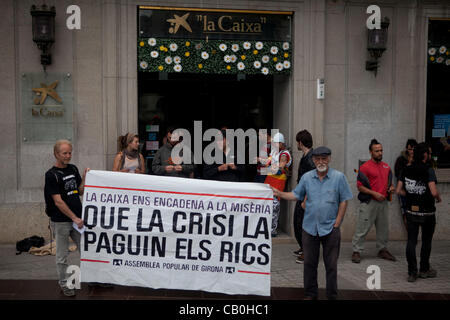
{"x":327,"y":192}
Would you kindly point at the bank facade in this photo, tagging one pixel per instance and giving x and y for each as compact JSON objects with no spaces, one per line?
{"x":140,"y":66}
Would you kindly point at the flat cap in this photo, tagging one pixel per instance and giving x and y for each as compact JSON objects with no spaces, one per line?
{"x":321,"y":151}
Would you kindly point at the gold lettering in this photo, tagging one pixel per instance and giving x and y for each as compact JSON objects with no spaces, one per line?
{"x":44,"y":112}
{"x":208,"y":25}
{"x":236,"y":27}
{"x":211,"y":26}
{"x":220,"y":23}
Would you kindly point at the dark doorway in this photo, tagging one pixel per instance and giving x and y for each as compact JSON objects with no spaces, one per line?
{"x":217,"y":100}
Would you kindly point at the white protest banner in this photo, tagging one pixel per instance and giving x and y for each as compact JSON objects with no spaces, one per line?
{"x":176,"y":233}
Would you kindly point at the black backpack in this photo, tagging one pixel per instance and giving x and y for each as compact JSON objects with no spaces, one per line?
{"x":25,"y":244}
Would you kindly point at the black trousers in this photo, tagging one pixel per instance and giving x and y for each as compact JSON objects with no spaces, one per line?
{"x":298,"y":222}
{"x":428,"y":224}
{"x":331,"y":244}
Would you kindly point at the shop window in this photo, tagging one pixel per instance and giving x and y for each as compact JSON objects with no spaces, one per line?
{"x":438,"y":93}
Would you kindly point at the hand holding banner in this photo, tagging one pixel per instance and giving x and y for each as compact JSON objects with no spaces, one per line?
{"x":176,"y":233}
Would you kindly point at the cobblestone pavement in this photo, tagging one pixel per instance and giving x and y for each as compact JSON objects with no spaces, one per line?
{"x":285,"y":271}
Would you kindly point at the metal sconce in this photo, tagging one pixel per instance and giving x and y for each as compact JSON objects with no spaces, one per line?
{"x":43,"y":25}
{"x":376,"y":45}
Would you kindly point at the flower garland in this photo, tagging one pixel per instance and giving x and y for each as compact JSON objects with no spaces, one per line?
{"x":439,"y":55}
{"x":214,"y":56}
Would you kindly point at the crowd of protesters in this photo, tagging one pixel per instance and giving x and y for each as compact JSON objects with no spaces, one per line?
{"x":321,"y":196}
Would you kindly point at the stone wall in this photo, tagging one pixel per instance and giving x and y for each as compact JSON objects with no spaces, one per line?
{"x":388,"y":107}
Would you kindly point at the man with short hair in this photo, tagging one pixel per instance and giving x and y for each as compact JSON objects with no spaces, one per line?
{"x":304,"y":143}
{"x":62,"y":191}
{"x":326,"y":191}
{"x":163,"y":163}
{"x":374,"y":184}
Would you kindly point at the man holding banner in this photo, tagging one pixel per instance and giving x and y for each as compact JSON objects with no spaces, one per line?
{"x":63,"y":187}
{"x":327,"y":192}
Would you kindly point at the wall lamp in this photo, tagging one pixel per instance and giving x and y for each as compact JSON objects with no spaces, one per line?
{"x":43,"y":26}
{"x":376,"y":44}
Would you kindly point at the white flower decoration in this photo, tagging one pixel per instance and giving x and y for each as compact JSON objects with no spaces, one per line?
{"x":274,"y":50}
{"x":227,"y":59}
{"x":447,"y":62}
{"x":432,"y":51}
{"x":151,"y":42}
{"x":173,"y":47}
{"x":205,"y":55}
{"x":265,"y":59}
{"x":177,"y":60}
{"x":279,"y":66}
{"x":235,"y":47}
{"x":223,"y":47}
{"x":247,"y":45}
{"x":286,"y":64}
{"x":440,"y":60}
{"x":241,"y":66}
{"x":259,"y":45}
{"x":177,"y":68}
{"x":168,"y":60}
{"x":442,"y":50}
{"x":154,"y":54}
{"x":257,"y":64}
{"x":233,"y":58}
{"x":143,"y":64}
{"x":265,"y":70}
{"x":286,"y":46}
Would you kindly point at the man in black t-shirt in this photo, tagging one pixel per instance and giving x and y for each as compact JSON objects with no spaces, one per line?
{"x":304,"y":143}
{"x":62,"y":191}
{"x":418,"y":184}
